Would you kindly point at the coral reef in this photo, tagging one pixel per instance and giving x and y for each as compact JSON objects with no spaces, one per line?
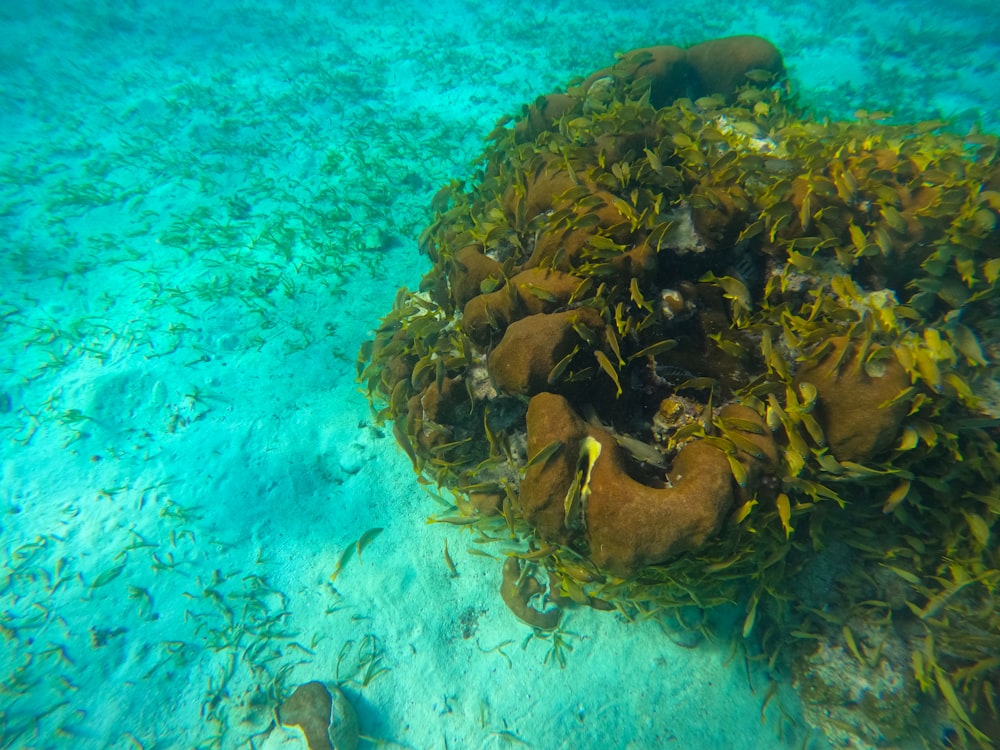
{"x":680,"y":338}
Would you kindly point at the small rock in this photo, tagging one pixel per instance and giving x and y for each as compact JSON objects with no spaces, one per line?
{"x":158,"y":396}
{"x":352,"y":459}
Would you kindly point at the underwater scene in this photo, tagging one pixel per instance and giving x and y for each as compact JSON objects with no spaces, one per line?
{"x":499,"y":375}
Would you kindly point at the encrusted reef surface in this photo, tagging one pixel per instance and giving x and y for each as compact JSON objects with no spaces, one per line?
{"x":679,"y":340}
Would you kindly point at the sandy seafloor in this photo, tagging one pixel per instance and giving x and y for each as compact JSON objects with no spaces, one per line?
{"x":204,"y":209}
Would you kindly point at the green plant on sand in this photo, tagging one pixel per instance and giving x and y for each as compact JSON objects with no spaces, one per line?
{"x":693,"y":346}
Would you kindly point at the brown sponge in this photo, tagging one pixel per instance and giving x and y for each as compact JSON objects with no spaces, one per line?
{"x":517,"y":593}
{"x":664,"y":66}
{"x":523,"y":360}
{"x":536,"y":290}
{"x":849,"y":406}
{"x":325,"y":716}
{"x":469,"y":269}
{"x":718,"y":66}
{"x":628,"y":524}
{"x":721,"y":65}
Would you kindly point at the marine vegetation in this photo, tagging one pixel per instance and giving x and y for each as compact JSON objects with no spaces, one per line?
{"x":689,"y":348}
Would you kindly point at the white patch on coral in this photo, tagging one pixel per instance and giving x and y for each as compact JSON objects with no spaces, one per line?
{"x":682,"y":237}
{"x":481,"y":385}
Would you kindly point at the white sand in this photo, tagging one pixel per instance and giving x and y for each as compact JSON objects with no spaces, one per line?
{"x":203,"y":214}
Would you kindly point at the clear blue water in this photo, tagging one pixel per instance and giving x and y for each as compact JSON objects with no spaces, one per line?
{"x":204,"y":209}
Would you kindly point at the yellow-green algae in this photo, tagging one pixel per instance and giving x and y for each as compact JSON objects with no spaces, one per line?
{"x":728,"y":246}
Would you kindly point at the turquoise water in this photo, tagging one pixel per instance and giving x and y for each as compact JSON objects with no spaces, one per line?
{"x":204,"y":211}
